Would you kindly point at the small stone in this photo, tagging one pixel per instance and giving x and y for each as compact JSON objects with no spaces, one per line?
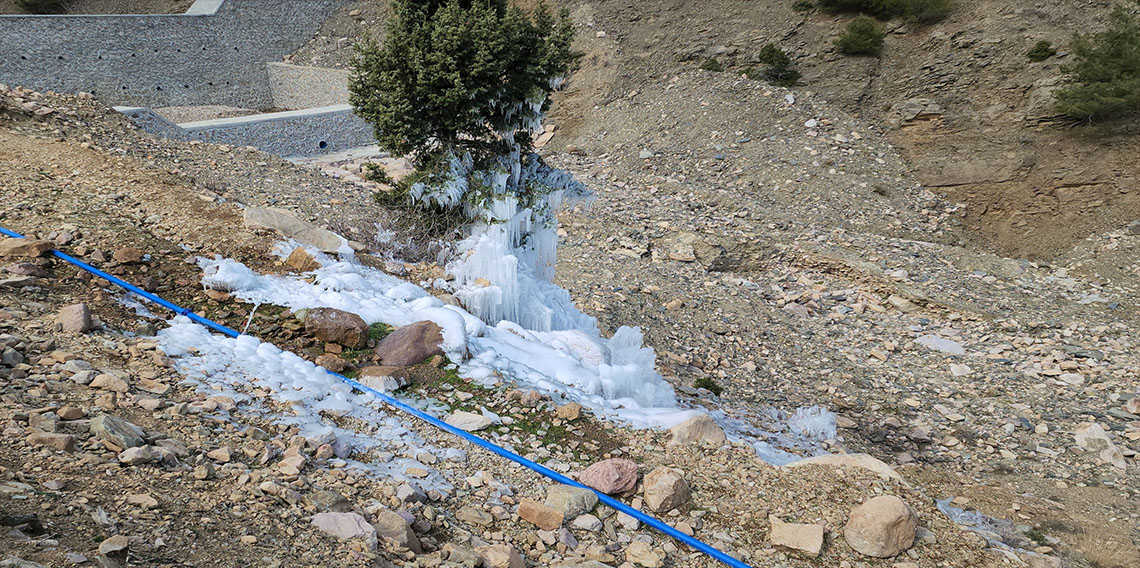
{"x":336,"y":326}
{"x":803,"y":538}
{"x":882,"y":527}
{"x":588,"y":523}
{"x":143,"y":455}
{"x":143,"y":500}
{"x":204,"y":471}
{"x":612,"y":476}
{"x":642,"y":554}
{"x":301,"y":260}
{"x":28,"y":248}
{"x":70,"y":413}
{"x":571,"y":501}
{"x":500,"y":556}
{"x":76,"y":318}
{"x":542,"y":516}
{"x":332,"y":362}
{"x":468,"y":421}
{"x":665,"y":489}
{"x":411,"y":344}
{"x":474,"y":516}
{"x":463,"y":557}
{"x":61,"y":442}
{"x":127,"y":255}
{"x":117,"y":431}
{"x":221,"y":455}
{"x":570,"y":411}
{"x":697,"y":430}
{"x":396,"y":532}
{"x":114,"y":544}
{"x":346,"y":526}
{"x":111,"y":383}
{"x":248,"y":539}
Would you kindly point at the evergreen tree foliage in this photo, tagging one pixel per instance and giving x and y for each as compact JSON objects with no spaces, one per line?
{"x":864,"y":36}
{"x":779,"y":69}
{"x":1104,"y":79}
{"x":460,"y":76}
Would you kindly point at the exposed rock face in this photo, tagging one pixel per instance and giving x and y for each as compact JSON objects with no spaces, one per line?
{"x":803,"y":538}
{"x":882,"y":527}
{"x":336,"y":326}
{"x":612,"y":476}
{"x":666,"y":489}
{"x":27,"y":248}
{"x":698,"y":429}
{"x":411,"y":344}
{"x":76,"y":318}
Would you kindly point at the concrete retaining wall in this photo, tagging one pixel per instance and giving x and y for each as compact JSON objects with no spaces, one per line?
{"x":214,"y":54}
{"x":307,"y":132}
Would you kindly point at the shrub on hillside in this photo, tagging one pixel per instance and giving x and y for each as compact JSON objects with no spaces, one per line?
{"x":803,"y":6}
{"x":864,"y":36}
{"x":41,"y":6}
{"x":460,"y":77}
{"x":1104,"y":79}
{"x":1041,"y":51}
{"x":922,"y":11}
{"x":778,"y":70}
{"x":712,"y":64}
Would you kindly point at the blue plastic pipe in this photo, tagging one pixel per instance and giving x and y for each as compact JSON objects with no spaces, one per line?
{"x":653,"y":522}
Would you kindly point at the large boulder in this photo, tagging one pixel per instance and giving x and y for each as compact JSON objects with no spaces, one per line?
{"x":612,"y":476}
{"x":117,"y":431}
{"x":666,"y":489}
{"x":394,"y":530}
{"x":410,"y":344}
{"x":336,"y":326}
{"x":882,"y":527}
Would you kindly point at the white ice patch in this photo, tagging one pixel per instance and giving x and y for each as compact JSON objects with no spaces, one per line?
{"x":234,"y":367}
{"x":614,"y":377}
{"x":940,"y":344}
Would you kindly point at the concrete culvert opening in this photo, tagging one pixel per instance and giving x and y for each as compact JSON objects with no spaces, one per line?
{"x":322,"y":145}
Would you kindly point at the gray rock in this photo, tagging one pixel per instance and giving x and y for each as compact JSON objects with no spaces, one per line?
{"x":394,"y":530}
{"x":76,"y":318}
{"x":117,"y":431}
{"x":346,"y":526}
{"x":468,"y":421}
{"x":572,"y":501}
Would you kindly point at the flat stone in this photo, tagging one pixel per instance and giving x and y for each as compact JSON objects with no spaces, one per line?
{"x":28,"y":248}
{"x":862,"y":461}
{"x":642,"y":554}
{"x":302,"y":260}
{"x":474,"y":516}
{"x":114,"y":544}
{"x":270,"y":218}
{"x":700,"y":429}
{"x":500,"y":556}
{"x":569,"y":411}
{"x":346,"y":526}
{"x":802,"y":538}
{"x":410,"y":344}
{"x":110,"y":382}
{"x":588,"y":523}
{"x":143,"y":500}
{"x":70,"y":413}
{"x":323,"y":240}
{"x":128,"y":255}
{"x":461,"y":556}
{"x":468,"y":421}
{"x":117,"y":431}
{"x":612,"y":476}
{"x":542,"y":516}
{"x":61,"y":442}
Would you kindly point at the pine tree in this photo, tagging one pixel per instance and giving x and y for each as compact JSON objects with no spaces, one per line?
{"x":1104,"y":81}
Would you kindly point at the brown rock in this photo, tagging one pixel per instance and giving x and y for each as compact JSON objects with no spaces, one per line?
{"x":666,"y":489}
{"x":110,"y":382}
{"x":336,"y":326}
{"x":545,"y":518}
{"x":569,"y":411}
{"x":76,"y":318}
{"x":500,"y":556}
{"x":332,"y":362}
{"x":26,"y":269}
{"x":70,"y":413}
{"x":392,"y":529}
{"x":696,"y":430}
{"x":30,"y":248}
{"x":802,"y":538}
{"x":612,"y":476}
{"x":127,"y":255}
{"x":411,"y":344}
{"x":114,"y":544}
{"x":882,"y":527}
{"x":61,"y":442}
{"x":301,"y":260}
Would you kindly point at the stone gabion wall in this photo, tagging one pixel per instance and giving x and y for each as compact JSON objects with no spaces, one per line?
{"x":297,"y":86}
{"x":156,"y":60}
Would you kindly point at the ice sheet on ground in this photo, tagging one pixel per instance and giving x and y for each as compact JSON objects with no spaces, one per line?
{"x":941,"y":344}
{"x":233,"y":367}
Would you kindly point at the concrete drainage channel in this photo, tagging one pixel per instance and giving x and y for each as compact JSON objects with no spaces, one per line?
{"x":219,"y":52}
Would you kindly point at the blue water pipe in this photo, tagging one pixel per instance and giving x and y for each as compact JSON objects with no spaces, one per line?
{"x":653,"y":522}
